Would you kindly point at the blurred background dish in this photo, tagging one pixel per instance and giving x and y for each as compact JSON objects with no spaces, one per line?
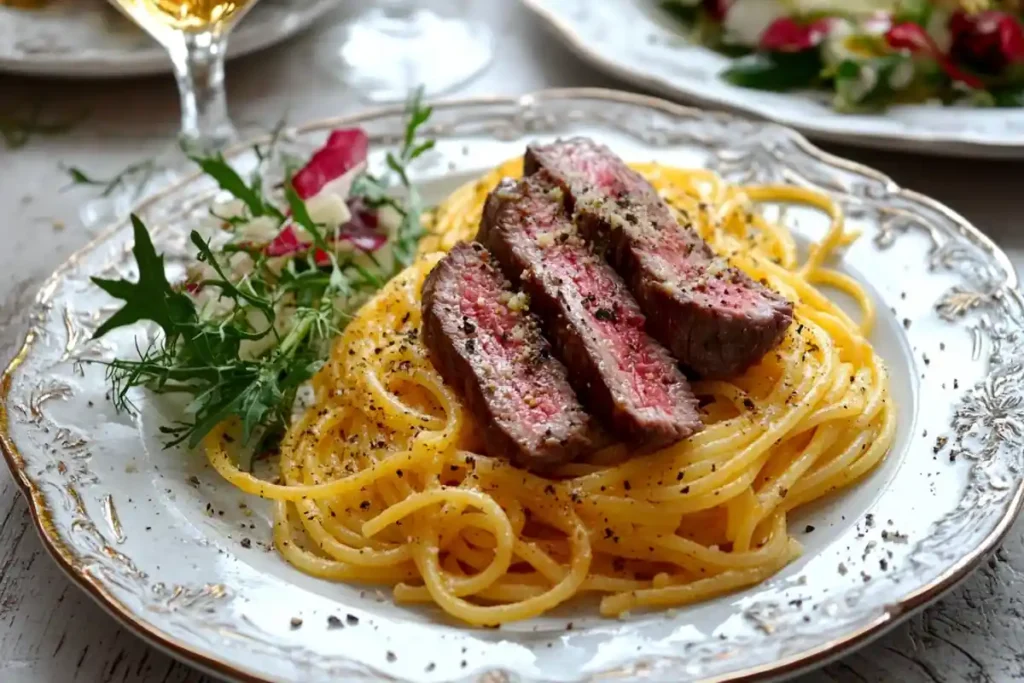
{"x":868,"y":54}
{"x":656,"y":52}
{"x":394,"y":46}
{"x":89,"y":38}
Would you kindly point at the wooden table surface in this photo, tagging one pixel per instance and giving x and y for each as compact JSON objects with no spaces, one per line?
{"x":51,"y":632}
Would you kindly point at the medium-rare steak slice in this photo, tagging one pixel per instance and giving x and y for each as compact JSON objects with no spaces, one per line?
{"x":714,"y":318}
{"x":484,"y":342}
{"x":626,"y":379}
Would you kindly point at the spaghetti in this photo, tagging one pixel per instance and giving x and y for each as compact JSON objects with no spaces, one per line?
{"x":384,"y":480}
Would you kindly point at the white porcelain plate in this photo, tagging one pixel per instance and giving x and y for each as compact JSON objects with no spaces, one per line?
{"x":637,"y":41}
{"x":89,"y":38}
{"x":162,"y":542}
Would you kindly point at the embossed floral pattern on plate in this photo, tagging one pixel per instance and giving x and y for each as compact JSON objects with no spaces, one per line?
{"x":654,"y":53}
{"x":184,"y":560}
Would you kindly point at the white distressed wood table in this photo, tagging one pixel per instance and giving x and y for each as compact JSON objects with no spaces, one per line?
{"x":52,"y":632}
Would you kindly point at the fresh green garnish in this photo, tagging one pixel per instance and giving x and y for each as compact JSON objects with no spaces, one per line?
{"x":375,"y":190}
{"x":245,"y":343}
{"x":151,"y":298}
{"x":1008,"y":96}
{"x":776,"y":71}
{"x":138,"y":175}
{"x":228,"y":179}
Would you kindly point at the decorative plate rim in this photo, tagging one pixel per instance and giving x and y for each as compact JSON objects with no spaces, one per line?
{"x":962,"y":144}
{"x":152,"y":61}
{"x":892,"y":613}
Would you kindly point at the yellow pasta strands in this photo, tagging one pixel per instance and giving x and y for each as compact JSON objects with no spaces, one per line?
{"x":384,"y":479}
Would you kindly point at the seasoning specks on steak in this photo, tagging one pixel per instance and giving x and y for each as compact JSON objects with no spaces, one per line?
{"x":494,"y":354}
{"x":625,"y":378}
{"x":714,"y":318}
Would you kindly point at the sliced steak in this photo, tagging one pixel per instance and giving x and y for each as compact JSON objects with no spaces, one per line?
{"x":626,"y":379}
{"x":485,"y":343}
{"x":714,"y":318}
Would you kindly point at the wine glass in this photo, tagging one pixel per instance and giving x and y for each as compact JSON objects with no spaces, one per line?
{"x":194,"y":33}
{"x":397,"y":45}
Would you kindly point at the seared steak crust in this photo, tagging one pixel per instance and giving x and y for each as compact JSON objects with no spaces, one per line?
{"x":485,"y":343}
{"x":623,"y":377}
{"x":714,"y":318}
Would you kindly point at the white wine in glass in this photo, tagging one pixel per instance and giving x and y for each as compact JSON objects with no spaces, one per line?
{"x":194,"y":33}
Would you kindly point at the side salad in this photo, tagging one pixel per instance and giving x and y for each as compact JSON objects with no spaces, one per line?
{"x":869,"y":53}
{"x":280,"y":273}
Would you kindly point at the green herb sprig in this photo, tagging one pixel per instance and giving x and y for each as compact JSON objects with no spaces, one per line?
{"x":273,"y":327}
{"x":138,"y":175}
{"x":376,"y":190}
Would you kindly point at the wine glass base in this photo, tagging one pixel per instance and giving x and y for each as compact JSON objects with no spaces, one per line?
{"x":209,"y":141}
{"x":383,"y":57}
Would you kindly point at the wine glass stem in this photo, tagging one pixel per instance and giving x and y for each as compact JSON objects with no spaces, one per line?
{"x":199,"y":67}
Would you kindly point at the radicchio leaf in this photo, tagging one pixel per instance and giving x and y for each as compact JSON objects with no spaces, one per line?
{"x":345,"y":149}
{"x":913,"y":38}
{"x":987,"y":42}
{"x":789,"y":35}
{"x":361,"y":231}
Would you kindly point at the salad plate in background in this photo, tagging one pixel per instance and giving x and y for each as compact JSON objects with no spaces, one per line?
{"x":874,"y":73}
{"x":90,"y":38}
